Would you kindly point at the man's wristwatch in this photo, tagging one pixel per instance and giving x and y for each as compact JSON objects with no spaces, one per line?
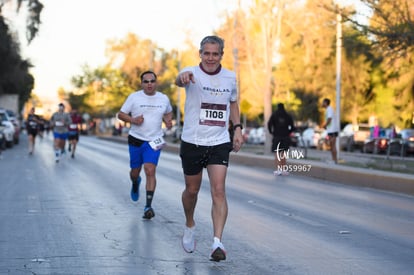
{"x":238,"y":125}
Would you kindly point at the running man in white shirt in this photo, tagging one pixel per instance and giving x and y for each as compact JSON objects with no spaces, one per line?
{"x":60,"y":122}
{"x":331,"y":127}
{"x":211,"y":102}
{"x":145,"y":110}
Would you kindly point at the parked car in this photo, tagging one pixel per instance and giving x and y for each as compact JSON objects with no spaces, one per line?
{"x":294,"y":138}
{"x":16,"y":123}
{"x":310,"y":137}
{"x":403,"y":144}
{"x":8,"y":128}
{"x":323,"y":142}
{"x":376,"y":145}
{"x":2,"y":138}
{"x":257,"y":136}
{"x":246,"y":133}
{"x":353,"y":136}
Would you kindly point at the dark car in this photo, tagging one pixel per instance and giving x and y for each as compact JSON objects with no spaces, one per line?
{"x":294,"y":138}
{"x":404,"y":143}
{"x":376,"y":145}
{"x":379,"y":145}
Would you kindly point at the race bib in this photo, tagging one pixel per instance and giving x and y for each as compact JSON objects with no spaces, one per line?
{"x":213,"y":114}
{"x":157,"y":143}
{"x":73,"y":126}
{"x":59,"y":123}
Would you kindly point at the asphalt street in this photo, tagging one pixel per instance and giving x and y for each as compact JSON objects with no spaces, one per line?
{"x":76,"y":217}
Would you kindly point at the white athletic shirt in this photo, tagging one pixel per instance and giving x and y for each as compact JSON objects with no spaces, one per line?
{"x":207,"y":107}
{"x":153,"y":108}
{"x":332,"y":126}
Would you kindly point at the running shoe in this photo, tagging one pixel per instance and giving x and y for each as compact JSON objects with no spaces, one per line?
{"x":57,"y":156}
{"x":218,"y":252}
{"x":148,"y":213}
{"x":188,"y":241}
{"x":280,"y":173}
{"x":135,"y":189}
{"x":277,"y":173}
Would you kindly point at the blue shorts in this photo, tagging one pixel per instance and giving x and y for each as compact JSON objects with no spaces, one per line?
{"x":139,"y":155}
{"x":63,"y":136}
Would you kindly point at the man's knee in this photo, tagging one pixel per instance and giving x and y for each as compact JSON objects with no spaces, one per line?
{"x":149,"y":170}
{"x":134,"y":173}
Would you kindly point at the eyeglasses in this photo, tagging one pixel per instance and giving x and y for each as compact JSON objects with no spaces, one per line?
{"x":148,"y":81}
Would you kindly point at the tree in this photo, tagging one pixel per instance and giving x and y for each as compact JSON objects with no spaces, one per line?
{"x":134,"y":55}
{"x":34,"y":9}
{"x":256,"y":48}
{"x":391,"y":32}
{"x":391,"y":26}
{"x":100,"y":91}
{"x":307,"y":63}
{"x":14,"y":71}
{"x":357,"y":65}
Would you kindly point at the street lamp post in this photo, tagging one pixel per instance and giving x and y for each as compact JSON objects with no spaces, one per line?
{"x":338,"y":77}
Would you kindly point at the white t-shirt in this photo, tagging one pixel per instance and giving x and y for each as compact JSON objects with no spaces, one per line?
{"x":207,"y":107}
{"x":332,"y":127}
{"x":153,"y":108}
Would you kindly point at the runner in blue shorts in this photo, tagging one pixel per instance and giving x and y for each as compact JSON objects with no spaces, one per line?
{"x":60,"y":122}
{"x":145,"y":110}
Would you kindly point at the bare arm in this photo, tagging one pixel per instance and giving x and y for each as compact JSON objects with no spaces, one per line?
{"x":235,"y":118}
{"x":128,"y":118}
{"x":327,"y":123}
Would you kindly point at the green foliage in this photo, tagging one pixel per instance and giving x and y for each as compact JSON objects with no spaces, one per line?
{"x":100,"y":91}
{"x":282,"y":51}
{"x":14,"y":71}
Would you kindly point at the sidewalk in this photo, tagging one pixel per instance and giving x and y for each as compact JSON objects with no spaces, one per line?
{"x":319,"y":169}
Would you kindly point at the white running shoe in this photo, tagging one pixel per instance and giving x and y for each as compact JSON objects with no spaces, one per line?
{"x":188,"y":240}
{"x":277,"y":173}
{"x":218,"y":253}
{"x":280,"y":173}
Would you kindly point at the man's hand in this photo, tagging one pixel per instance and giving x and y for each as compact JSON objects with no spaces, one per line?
{"x":237,"y":140}
{"x":138,"y":120}
{"x":184,"y":78}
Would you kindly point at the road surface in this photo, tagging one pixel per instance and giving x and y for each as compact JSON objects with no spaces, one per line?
{"x":76,"y":217}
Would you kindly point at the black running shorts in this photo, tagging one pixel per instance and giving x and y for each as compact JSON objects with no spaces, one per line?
{"x":196,"y":157}
{"x":280,"y":143}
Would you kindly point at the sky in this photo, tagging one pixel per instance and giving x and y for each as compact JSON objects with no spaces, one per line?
{"x":74,"y":33}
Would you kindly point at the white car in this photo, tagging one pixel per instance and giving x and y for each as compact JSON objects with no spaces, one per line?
{"x":8,"y":128}
{"x":257,"y":136}
{"x":310,"y":138}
